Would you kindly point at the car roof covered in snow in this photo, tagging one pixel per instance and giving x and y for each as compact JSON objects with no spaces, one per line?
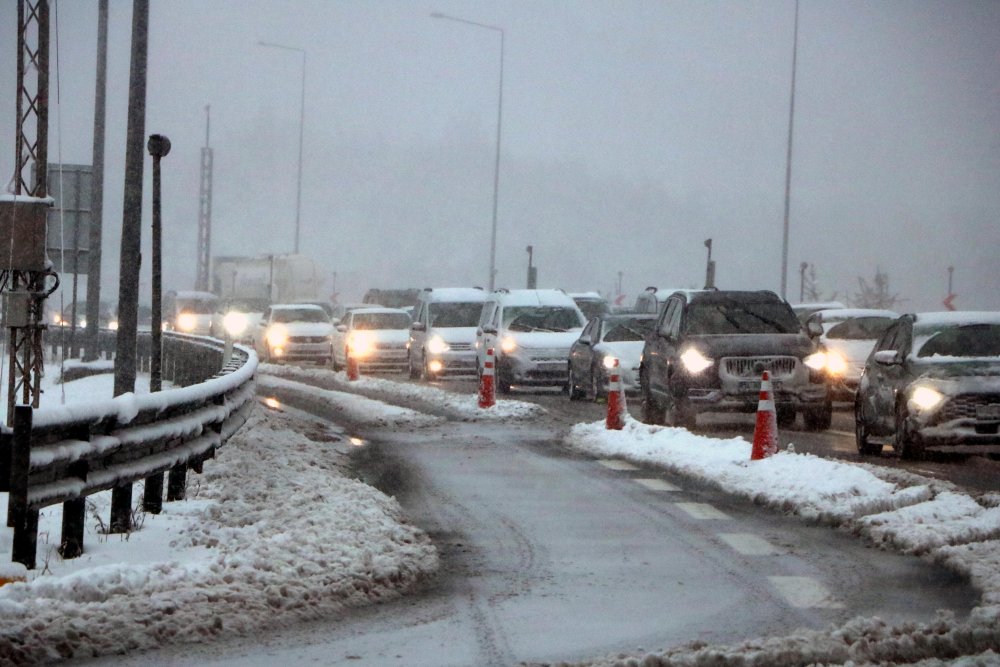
{"x":841,"y":314}
{"x":454,"y":294}
{"x":936,"y":320}
{"x":534,"y":297}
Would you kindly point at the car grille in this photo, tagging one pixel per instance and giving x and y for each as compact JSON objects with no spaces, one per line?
{"x":460,"y":347}
{"x":390,"y":346}
{"x":307,"y":339}
{"x":964,"y":406}
{"x":751,"y":367}
{"x":548,"y":354}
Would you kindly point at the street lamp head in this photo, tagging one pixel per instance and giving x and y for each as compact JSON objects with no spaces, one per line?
{"x":158,"y":145}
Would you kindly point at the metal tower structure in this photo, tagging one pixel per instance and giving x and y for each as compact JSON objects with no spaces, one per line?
{"x":205,"y":212}
{"x":25,"y":277}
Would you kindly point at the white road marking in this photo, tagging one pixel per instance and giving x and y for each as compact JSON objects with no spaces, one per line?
{"x":805,"y":593}
{"x":657,"y":485}
{"x":616,"y":464}
{"x":748,"y":544}
{"x":702,"y":511}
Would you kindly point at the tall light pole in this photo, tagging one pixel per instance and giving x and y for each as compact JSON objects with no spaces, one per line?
{"x":302,"y":116}
{"x":496,"y":165}
{"x":788,"y":159}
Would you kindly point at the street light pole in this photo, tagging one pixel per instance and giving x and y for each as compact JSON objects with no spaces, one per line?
{"x":302,"y":116}
{"x":788,"y":159}
{"x":496,"y":165}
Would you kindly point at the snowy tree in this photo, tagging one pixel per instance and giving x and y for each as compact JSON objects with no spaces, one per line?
{"x":876,"y":295}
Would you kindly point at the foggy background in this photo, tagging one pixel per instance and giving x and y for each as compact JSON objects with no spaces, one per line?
{"x":631,"y":132}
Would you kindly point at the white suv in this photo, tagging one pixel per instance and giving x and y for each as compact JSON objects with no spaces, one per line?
{"x":443,"y":332}
{"x":531,"y":331}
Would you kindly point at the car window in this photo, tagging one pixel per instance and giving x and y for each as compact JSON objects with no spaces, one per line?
{"x":972,"y":340}
{"x":371,"y":321}
{"x":444,"y":315}
{"x":671,"y":307}
{"x":541,"y":318}
{"x":732,"y":316}
{"x":300,"y":315}
{"x":196,"y":306}
{"x":592,"y":307}
{"x":632,"y":329}
{"x":860,"y":328}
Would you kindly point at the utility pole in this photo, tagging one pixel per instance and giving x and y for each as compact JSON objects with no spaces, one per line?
{"x":532,"y":271}
{"x":709,"y":267}
{"x":97,"y":205}
{"x":205,"y":211}
{"x":788,"y":158}
{"x":159,"y":147}
{"x":802,"y":281}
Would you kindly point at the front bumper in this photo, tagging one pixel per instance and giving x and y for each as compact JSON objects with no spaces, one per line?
{"x":957,"y":427}
{"x":297,"y":351}
{"x":545,"y":371}
{"x":454,"y":363}
{"x":386,"y":359}
{"x":734,"y":386}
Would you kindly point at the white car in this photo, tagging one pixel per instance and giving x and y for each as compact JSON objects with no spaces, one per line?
{"x":294,"y":332}
{"x":237,"y":318}
{"x":849,"y":334}
{"x":606,"y":339}
{"x":443,"y":333}
{"x":530,"y":331}
{"x":376,"y":337}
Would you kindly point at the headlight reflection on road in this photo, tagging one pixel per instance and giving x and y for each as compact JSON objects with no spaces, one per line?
{"x":272,"y":403}
{"x":356,"y":441}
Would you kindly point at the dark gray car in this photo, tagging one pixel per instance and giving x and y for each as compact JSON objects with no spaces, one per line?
{"x":932,"y":382}
{"x":709,"y":349}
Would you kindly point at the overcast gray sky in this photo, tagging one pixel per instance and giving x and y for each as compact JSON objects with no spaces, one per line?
{"x":631,"y":132}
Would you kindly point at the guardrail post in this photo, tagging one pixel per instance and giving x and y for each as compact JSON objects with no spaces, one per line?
{"x":73,"y":519}
{"x":23,"y":519}
{"x":152,"y":494}
{"x":121,"y":509}
{"x":177,"y":482}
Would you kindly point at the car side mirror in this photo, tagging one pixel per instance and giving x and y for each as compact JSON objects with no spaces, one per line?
{"x":489,"y":329}
{"x":814,"y":329}
{"x":341,"y":328}
{"x":584,"y":340}
{"x":418,"y":326}
{"x":887,"y":357}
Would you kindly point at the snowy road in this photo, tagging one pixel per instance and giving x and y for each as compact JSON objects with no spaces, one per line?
{"x":550,"y":555}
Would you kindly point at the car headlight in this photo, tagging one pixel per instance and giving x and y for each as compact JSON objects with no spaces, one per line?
{"x":277,"y":335}
{"x":436,"y":345}
{"x":361,"y":344}
{"x":610,"y":361}
{"x":113,"y":325}
{"x":508,"y":345}
{"x":831,"y":361}
{"x":187,"y":322}
{"x":694,"y":361}
{"x":235,"y":323}
{"x":926,"y":398}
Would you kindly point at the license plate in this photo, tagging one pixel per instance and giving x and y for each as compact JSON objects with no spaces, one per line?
{"x":990,"y":411}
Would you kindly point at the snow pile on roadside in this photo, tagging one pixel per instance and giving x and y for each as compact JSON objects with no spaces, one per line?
{"x":273,"y":535}
{"x":917,"y":516}
{"x":459,"y":406}
{"x":348,"y":407}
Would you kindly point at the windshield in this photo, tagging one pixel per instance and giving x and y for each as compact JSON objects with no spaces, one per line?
{"x":196,"y":306}
{"x":592,"y":308}
{"x":541,"y":318}
{"x":246,"y":305}
{"x":631,"y":329}
{"x":731,"y":316}
{"x":299,"y":315}
{"x":971,"y":340}
{"x":859,"y":328}
{"x":370,"y":321}
{"x":443,"y":315}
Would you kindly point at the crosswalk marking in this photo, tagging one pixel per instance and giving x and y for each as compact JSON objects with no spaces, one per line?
{"x":657,"y":485}
{"x":748,"y":544}
{"x":702,"y":511}
{"x":617,"y":464}
{"x":805,"y":593}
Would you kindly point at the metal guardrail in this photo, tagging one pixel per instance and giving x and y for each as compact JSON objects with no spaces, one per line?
{"x":65,"y":453}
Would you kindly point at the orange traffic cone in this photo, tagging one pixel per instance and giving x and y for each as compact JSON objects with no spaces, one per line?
{"x":616,"y":401}
{"x":352,"y":368}
{"x":765,"y":433}
{"x":487,"y":391}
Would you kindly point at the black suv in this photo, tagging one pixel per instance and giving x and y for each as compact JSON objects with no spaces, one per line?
{"x":709,"y":349}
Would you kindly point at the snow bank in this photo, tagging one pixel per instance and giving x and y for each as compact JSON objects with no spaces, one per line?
{"x":272,"y":535}
{"x":464,"y":407}
{"x":347,"y":407}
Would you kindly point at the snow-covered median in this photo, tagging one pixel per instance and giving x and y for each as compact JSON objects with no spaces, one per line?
{"x":463,"y":407}
{"x":272,"y":534}
{"x":916,"y":517}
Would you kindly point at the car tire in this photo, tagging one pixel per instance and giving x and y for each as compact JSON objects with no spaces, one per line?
{"x":906,"y":443}
{"x":681,"y":414}
{"x":652,"y":411}
{"x":425,"y":374}
{"x":414,"y":371}
{"x":785,"y":416}
{"x":818,"y":419}
{"x":575,"y":393}
{"x":501,"y":376}
{"x":597,"y":385}
{"x":861,"y":435}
